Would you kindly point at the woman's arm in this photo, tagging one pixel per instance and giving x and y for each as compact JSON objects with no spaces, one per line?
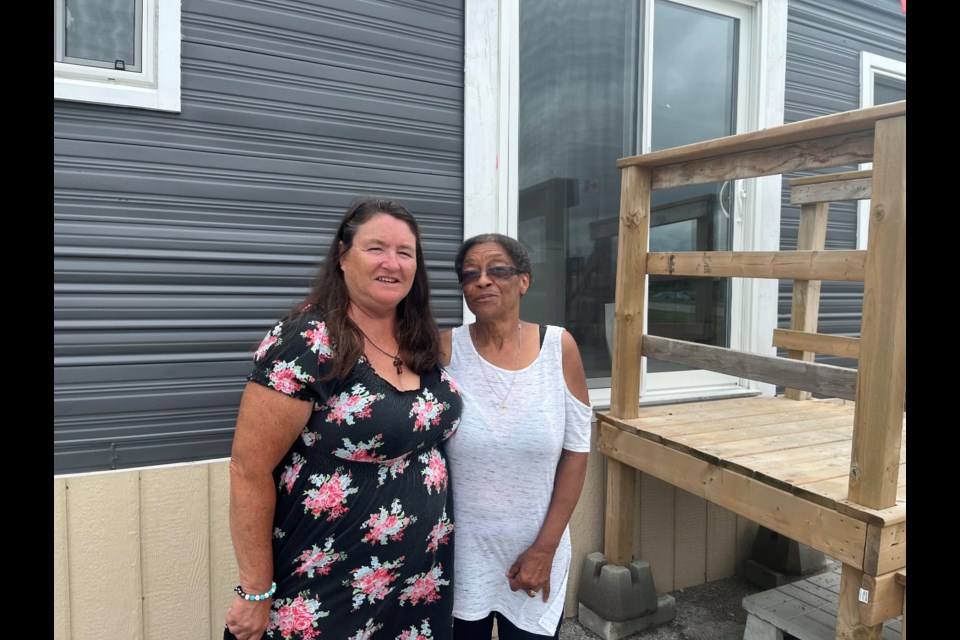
{"x":532,"y":569}
{"x":267,"y":424}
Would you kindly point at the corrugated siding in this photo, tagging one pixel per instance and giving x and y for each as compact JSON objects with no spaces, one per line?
{"x":824,"y":41}
{"x":180,"y":238}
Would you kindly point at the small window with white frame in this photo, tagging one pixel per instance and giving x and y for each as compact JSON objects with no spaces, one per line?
{"x":882,"y":80}
{"x":117,"y":52}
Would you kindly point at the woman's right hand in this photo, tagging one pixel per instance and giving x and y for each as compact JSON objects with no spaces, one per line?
{"x":248,"y":619}
{"x":267,"y":425}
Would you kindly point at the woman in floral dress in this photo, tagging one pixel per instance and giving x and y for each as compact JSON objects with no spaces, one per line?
{"x":339,"y":509}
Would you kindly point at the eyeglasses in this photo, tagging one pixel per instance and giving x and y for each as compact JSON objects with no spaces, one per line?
{"x":500,"y":273}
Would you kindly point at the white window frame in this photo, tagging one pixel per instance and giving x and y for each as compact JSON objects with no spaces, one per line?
{"x":491,"y":87}
{"x":871,"y":66}
{"x":156,"y":86}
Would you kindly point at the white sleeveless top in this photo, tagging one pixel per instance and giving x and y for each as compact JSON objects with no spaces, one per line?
{"x":502,"y":466}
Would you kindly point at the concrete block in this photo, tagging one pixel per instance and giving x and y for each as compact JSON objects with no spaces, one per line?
{"x":617,"y":593}
{"x":757,"y":629}
{"x":785,"y":555}
{"x":763,"y":576}
{"x":616,"y":630}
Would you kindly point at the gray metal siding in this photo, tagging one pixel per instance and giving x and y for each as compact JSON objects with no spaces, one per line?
{"x":824,"y":41}
{"x":180,"y":238}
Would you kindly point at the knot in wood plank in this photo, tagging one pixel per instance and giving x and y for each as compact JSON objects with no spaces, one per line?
{"x":633,"y":219}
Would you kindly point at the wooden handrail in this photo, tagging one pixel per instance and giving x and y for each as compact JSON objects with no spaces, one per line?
{"x":798,"y":265}
{"x":823,"y":127}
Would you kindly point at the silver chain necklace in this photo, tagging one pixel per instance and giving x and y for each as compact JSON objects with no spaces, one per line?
{"x":516,"y":365}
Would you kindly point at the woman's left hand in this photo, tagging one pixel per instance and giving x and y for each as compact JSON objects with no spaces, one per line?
{"x":531,"y":571}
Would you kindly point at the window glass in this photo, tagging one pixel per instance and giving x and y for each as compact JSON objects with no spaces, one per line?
{"x":887,"y":89}
{"x":100,"y":32}
{"x":581,"y":107}
{"x":577,"y":114}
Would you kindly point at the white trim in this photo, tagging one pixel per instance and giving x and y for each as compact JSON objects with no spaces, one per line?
{"x":509,"y":128}
{"x":483,"y":96}
{"x":761,"y":220}
{"x":600,"y":397}
{"x":646,"y":88}
{"x":157,"y":86}
{"x":871,"y":66}
{"x":58,"y":476}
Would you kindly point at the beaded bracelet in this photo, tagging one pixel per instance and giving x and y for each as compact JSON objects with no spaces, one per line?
{"x":260,"y":596}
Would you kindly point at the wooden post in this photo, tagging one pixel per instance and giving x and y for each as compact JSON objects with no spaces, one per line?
{"x":805,"y":309}
{"x":884,"y":598}
{"x":881,"y":382}
{"x":631,"y":297}
{"x":902,"y":581}
{"x":631,"y":291}
{"x":849,"y":626}
{"x":620,"y":505}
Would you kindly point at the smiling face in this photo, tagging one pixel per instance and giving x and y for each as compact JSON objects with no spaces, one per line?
{"x":491,"y":298}
{"x":380,"y":265}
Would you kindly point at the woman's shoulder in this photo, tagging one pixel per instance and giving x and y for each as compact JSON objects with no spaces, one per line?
{"x":306,"y":311}
{"x":454,"y":334}
{"x":448,"y":338}
{"x":562,"y":333}
{"x":446,"y":346}
{"x":298,"y":330}
{"x":300,"y":318}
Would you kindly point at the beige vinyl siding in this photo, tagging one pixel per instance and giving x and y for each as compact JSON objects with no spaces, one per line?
{"x":61,"y":563}
{"x":146,"y":554}
{"x":175,"y":538}
{"x":223,"y":564}
{"x":143,"y":554}
{"x":104,"y":549}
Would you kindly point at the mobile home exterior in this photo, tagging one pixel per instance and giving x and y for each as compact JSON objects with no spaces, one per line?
{"x":192,"y":202}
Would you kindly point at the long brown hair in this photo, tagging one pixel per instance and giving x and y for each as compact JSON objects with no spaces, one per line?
{"x":416,"y":329}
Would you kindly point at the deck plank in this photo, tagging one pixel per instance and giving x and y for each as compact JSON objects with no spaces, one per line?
{"x":773,"y":427}
{"x":785,"y":443}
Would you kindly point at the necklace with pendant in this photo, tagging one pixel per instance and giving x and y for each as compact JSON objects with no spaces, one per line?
{"x":502,"y":404}
{"x":397,"y":362}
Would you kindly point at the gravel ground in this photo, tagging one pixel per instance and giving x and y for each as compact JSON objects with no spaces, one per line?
{"x":711,"y":611}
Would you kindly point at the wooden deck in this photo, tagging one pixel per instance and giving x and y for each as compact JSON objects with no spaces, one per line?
{"x":827,"y":474}
{"x":779,"y":462}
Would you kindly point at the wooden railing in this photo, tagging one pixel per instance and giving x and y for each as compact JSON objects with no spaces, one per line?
{"x":878,"y":386}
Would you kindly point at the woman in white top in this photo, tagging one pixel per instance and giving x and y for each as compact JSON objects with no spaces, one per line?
{"x":519,"y":457}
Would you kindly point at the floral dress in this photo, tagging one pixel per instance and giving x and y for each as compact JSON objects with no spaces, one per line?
{"x":363,"y":531}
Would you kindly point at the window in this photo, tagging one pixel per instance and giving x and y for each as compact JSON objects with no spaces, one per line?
{"x":118,"y":52}
{"x":603,"y":80}
{"x":558,"y":90}
{"x":882,"y":80}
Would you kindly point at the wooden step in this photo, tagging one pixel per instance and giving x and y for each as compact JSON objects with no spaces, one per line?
{"x":805,"y":609}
